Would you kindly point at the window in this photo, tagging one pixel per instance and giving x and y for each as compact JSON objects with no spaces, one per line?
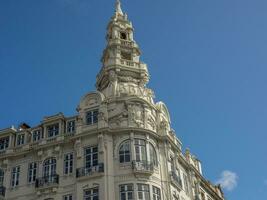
{"x":67,"y":197}
{"x":186,"y":187}
{"x":92,"y":117}
{"x":91,"y":157}
{"x":4,"y":142}
{"x":49,"y":168}
{"x":123,"y":36}
{"x":15,"y":176}
{"x":32,"y":171}
{"x":36,"y":135}
{"x":153,"y":155}
{"x":143,"y":192}
{"x":91,"y":194}
{"x":68,"y":163}
{"x":126,"y":56}
{"x":140,"y":150}
{"x":20,"y":139}
{"x":126,"y":192}
{"x":70,"y":126}
{"x":156,"y":193}
{"x":125,"y":152}
{"x":2,"y":177}
{"x":53,"y":130}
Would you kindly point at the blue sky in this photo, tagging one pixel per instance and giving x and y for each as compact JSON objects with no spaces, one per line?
{"x":207,"y":61}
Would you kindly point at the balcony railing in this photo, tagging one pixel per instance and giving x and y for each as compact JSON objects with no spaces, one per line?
{"x":2,"y":191}
{"x":143,"y":166}
{"x":176,"y":179}
{"x":47,"y":181}
{"x":85,"y":171}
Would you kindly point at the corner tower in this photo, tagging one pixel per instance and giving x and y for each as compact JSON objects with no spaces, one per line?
{"x":122,"y":73}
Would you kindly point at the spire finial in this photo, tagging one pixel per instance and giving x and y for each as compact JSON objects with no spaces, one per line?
{"x":118,"y":7}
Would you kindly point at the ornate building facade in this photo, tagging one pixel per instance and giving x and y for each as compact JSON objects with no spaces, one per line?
{"x":119,"y":146}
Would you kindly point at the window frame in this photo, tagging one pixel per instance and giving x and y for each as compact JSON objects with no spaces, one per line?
{"x":71,"y":126}
{"x":20,"y":139}
{"x":91,"y":117}
{"x":68,"y":167}
{"x":124,"y":152}
{"x":68,"y":197}
{"x":156,"y":193}
{"x":32,"y":172}
{"x":145,"y":193}
{"x":53,"y":130}
{"x":4,"y":143}
{"x":15,"y":175}
{"x":36,"y":135}
{"x":92,"y":162}
{"x":92,"y":194}
{"x":126,"y":191}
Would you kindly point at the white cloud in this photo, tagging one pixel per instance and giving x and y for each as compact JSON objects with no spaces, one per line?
{"x":228,"y":180}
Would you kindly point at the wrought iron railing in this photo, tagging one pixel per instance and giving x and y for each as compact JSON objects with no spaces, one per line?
{"x":143,"y":166}
{"x":47,"y":181}
{"x":88,"y":171}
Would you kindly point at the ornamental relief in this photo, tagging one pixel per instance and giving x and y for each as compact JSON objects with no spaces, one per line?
{"x":132,"y":115}
{"x":125,"y":89}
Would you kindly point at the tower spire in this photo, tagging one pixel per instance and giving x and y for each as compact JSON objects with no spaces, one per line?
{"x":118,"y":7}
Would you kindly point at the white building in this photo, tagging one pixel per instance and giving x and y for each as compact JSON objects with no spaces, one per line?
{"x":119,"y":146}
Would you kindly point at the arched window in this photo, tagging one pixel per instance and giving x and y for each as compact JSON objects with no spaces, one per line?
{"x":125,"y":152}
{"x":1,"y":177}
{"x":49,"y":167}
{"x":123,"y":36}
{"x":153,"y":155}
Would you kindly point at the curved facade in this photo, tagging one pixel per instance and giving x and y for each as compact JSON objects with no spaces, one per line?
{"x":119,"y":146}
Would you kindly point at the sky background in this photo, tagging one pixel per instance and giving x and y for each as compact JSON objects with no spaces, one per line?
{"x":207,"y":60}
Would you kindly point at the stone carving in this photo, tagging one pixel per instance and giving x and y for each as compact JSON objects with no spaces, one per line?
{"x":128,"y":79}
{"x":134,"y":90}
{"x":91,"y":101}
{"x":113,"y":81}
{"x":136,"y":115}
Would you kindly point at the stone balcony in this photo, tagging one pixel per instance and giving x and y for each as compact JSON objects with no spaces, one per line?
{"x":126,"y":43}
{"x":176,"y":180}
{"x":86,"y":172}
{"x":143,"y":167}
{"x":47,"y":182}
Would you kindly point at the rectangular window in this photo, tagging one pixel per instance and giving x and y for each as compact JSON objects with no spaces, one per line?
{"x":70,"y":126}
{"x":140,"y":150}
{"x":53,"y":130}
{"x":68,"y":163}
{"x":36,"y":135}
{"x":92,"y":117}
{"x":91,"y":194}
{"x":91,"y":157}
{"x":156,"y":193}
{"x":32,"y":171}
{"x":4,"y":142}
{"x":126,"y":192}
{"x":143,"y":192}
{"x":67,"y":197}
{"x":20,"y":139}
{"x":15,"y":176}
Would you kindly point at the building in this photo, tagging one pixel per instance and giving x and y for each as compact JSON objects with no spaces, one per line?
{"x":119,"y":146}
